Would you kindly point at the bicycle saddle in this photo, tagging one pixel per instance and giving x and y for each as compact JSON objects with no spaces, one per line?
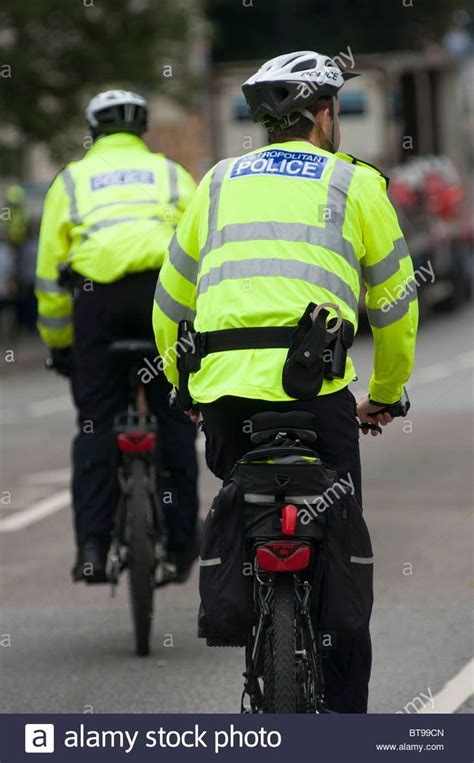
{"x":142,"y":347}
{"x":298,"y":424}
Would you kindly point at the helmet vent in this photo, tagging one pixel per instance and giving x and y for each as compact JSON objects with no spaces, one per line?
{"x":304,"y":66}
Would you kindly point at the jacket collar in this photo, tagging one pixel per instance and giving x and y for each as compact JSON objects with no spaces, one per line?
{"x":118,"y":140}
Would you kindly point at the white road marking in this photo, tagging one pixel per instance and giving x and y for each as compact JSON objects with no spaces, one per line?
{"x":50,"y":405}
{"x":455,"y":693}
{"x":32,"y":514}
{"x":444,"y":368}
{"x":45,"y":478}
{"x":38,"y":408}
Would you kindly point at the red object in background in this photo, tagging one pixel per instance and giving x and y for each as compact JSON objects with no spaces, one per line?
{"x":289,"y":515}
{"x":402,"y":194}
{"x":136,"y":442}
{"x":283,"y":556}
{"x":442,"y":199}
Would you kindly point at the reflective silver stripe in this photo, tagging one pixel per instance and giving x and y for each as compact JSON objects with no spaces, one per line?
{"x":70,"y":187}
{"x":174,"y":310}
{"x":55,"y":323}
{"x":338,"y":189}
{"x":173,"y":182}
{"x":262,"y":498}
{"x":49,"y":285}
{"x":362,"y":559}
{"x":380,"y":318}
{"x":329,"y":238}
{"x":117,"y":221}
{"x":209,"y":562}
{"x":151,"y":201}
{"x":182,"y":261}
{"x":379,"y":272}
{"x":214,"y":194}
{"x":303,"y":271}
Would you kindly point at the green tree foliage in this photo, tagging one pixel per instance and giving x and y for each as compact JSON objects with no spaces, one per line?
{"x":57,"y":53}
{"x":260,"y":29}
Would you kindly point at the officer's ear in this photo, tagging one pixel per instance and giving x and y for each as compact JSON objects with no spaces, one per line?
{"x":322,"y":112}
{"x":325,"y":113}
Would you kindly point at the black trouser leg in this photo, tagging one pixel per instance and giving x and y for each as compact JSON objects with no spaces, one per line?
{"x":99,"y":387}
{"x":227,"y":428}
{"x":104,"y":313}
{"x":178,"y":473}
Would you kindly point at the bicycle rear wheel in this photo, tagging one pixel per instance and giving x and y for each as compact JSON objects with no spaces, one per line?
{"x":141,"y":558}
{"x":279,"y":674}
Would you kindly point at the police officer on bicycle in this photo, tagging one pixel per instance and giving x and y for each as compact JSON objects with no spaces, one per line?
{"x":108,"y":220}
{"x":268,"y":238}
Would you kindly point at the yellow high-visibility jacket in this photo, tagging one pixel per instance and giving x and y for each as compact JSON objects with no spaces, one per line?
{"x":269,"y":232}
{"x":109,"y":214}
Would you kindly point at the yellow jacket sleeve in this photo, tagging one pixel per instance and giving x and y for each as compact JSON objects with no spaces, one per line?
{"x":175,"y":296}
{"x":391,"y":300}
{"x":54,"y":302}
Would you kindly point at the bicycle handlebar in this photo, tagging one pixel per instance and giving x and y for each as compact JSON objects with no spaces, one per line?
{"x":396,"y":410}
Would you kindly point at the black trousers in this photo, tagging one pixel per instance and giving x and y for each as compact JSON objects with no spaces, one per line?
{"x":226,"y":425}
{"x":104,"y":313}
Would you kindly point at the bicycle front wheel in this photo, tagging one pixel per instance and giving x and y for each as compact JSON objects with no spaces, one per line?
{"x":279,"y":679}
{"x":141,"y":558}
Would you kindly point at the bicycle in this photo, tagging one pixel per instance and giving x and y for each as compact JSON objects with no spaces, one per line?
{"x":283,"y":662}
{"x":139,"y":537}
{"x":283,"y":655}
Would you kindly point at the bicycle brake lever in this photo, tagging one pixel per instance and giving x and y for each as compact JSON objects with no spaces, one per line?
{"x":365,"y":426}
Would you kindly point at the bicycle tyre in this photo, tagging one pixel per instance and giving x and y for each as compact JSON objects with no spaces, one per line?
{"x":268,"y":674}
{"x":141,"y":559}
{"x":281,"y":676}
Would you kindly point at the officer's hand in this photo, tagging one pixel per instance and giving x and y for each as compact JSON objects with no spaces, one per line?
{"x":60,"y":360}
{"x":364,"y":407}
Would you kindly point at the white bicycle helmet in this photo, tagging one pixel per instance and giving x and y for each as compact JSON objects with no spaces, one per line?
{"x":117,"y":111}
{"x":285,"y":86}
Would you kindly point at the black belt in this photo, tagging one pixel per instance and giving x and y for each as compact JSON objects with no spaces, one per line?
{"x":261,"y":338}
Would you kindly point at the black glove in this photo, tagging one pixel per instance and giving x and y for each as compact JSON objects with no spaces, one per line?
{"x":60,"y":360}
{"x":400,"y":408}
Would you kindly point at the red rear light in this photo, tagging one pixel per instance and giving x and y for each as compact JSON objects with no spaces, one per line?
{"x":283,"y":556}
{"x":136,"y":442}
{"x":289,"y":515}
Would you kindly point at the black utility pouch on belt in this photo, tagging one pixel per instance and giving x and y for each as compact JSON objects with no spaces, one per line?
{"x":187,"y":361}
{"x":335,"y":364}
{"x":304,"y":369}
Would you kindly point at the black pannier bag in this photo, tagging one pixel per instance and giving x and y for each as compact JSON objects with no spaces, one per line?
{"x":345,"y":592}
{"x":246,"y":509}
